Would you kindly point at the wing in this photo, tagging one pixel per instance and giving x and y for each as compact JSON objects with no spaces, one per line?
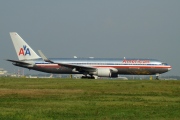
{"x":76,"y":67}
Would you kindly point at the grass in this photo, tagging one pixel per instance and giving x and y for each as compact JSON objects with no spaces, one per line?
{"x":50,"y":99}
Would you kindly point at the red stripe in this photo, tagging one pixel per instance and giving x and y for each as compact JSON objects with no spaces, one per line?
{"x":48,"y":65}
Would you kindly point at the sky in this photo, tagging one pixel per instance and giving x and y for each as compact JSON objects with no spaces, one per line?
{"x":93,"y":28}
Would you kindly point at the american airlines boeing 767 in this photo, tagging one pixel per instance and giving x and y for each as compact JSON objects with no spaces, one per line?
{"x":89,"y":67}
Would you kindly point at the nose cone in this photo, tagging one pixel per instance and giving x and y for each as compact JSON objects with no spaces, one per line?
{"x":169,"y":68}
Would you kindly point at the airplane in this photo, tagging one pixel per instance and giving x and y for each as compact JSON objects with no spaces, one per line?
{"x":89,"y":67}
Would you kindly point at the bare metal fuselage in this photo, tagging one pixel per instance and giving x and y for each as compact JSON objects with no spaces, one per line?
{"x":123,"y":66}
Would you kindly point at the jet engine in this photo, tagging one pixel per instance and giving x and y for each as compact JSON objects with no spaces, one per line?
{"x":106,"y":72}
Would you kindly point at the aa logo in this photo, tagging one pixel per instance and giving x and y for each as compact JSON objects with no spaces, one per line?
{"x":24,"y":51}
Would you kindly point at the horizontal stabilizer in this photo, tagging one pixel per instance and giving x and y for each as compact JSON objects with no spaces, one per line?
{"x":20,"y":62}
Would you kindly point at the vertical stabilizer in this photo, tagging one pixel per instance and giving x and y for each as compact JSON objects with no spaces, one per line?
{"x":23,"y":50}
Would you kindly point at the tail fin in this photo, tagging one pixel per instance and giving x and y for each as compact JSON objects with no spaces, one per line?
{"x":23,"y":50}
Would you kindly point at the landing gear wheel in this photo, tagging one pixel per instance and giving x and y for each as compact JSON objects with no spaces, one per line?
{"x":87,"y":77}
{"x":83,"y":77}
{"x":92,"y":77}
{"x":157,"y":76}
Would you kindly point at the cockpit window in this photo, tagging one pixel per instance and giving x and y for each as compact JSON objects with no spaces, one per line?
{"x":164,"y":64}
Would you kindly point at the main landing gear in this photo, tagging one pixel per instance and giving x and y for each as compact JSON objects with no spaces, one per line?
{"x":88,"y":77}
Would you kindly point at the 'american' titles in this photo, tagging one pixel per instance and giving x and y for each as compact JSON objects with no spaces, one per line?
{"x":135,"y":61}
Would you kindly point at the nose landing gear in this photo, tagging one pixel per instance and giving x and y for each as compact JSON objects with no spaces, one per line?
{"x":157,"y":76}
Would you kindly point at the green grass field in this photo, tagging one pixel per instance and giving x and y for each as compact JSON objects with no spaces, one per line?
{"x":59,"y":99}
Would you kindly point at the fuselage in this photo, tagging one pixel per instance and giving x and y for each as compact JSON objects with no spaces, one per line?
{"x":121,"y":66}
{"x":101,"y":67}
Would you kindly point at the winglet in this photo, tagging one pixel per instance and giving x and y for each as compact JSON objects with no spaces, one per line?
{"x":44,"y":57}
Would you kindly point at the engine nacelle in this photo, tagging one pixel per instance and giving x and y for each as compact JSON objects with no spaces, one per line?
{"x":106,"y":72}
